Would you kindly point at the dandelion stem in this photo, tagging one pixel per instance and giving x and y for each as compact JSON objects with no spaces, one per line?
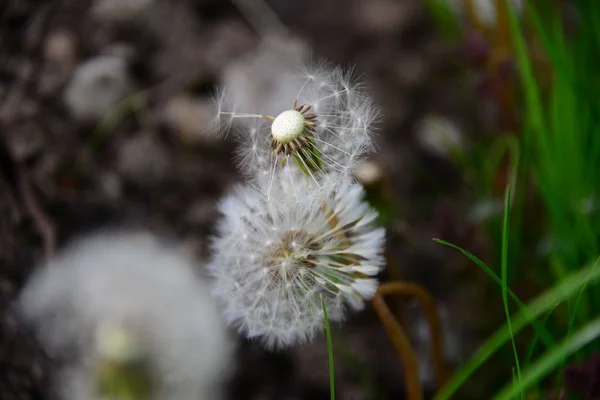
{"x":330,"y":350}
{"x":442,"y":372}
{"x":414,"y":390}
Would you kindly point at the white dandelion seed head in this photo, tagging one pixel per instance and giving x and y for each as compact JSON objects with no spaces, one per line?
{"x":325,"y":126}
{"x":116,"y":295}
{"x":274,"y":256}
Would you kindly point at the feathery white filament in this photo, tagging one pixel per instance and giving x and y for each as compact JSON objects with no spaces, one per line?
{"x":274,"y":256}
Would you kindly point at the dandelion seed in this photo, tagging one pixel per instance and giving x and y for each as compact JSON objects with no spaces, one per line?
{"x":325,"y":242}
{"x":326,"y":128}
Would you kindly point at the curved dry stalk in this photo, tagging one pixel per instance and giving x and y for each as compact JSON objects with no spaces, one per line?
{"x":502,"y":24}
{"x":442,"y":372}
{"x":414,"y":389}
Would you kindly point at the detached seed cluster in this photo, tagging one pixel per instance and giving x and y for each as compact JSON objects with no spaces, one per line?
{"x":293,"y":129}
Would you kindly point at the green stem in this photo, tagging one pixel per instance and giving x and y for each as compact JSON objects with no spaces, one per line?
{"x":330,"y":350}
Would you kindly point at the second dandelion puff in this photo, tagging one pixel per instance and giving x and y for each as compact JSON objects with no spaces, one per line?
{"x":276,"y":256}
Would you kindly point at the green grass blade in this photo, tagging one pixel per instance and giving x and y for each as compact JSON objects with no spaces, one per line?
{"x":577,"y":303}
{"x":330,"y":350}
{"x":550,"y":360}
{"x":500,"y":148}
{"x":444,"y":17}
{"x":564,"y":290}
{"x":546,"y":336}
{"x":504,"y":281}
{"x":531,"y":91}
{"x":532,"y":347}
{"x":358,"y":367}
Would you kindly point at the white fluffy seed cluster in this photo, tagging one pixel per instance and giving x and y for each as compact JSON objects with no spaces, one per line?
{"x":275,"y":256}
{"x":301,"y":231}
{"x":344,"y":123}
{"x":115,"y":297}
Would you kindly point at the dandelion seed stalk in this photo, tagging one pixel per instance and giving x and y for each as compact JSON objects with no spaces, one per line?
{"x":414,"y":389}
{"x":442,"y":372}
{"x":395,"y":331}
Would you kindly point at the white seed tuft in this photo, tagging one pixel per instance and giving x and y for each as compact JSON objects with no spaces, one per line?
{"x":337,"y":132}
{"x":326,"y":243}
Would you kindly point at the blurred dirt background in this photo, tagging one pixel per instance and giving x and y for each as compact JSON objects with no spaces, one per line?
{"x":65,"y":170}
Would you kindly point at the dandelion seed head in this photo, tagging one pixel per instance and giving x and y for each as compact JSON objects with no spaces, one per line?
{"x":328,"y":128}
{"x":325,"y":243}
{"x":116,"y":295}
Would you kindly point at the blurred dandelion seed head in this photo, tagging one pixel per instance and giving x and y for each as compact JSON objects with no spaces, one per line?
{"x":116,"y":297}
